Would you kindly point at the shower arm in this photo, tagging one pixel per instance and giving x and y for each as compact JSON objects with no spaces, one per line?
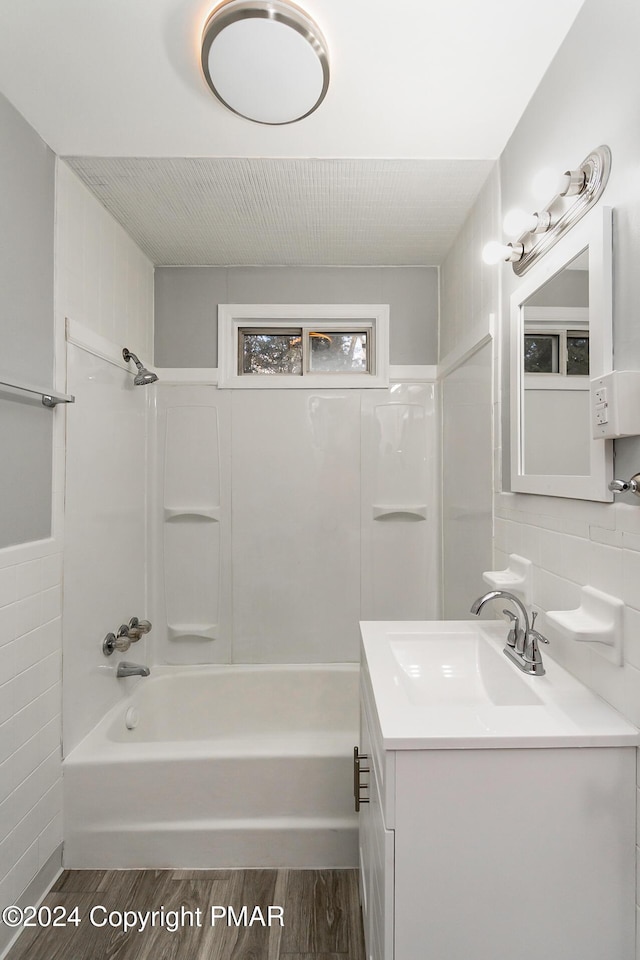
{"x":127,"y":355}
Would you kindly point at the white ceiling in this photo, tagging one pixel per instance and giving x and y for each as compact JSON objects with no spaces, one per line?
{"x":296,"y":212}
{"x":442,"y":82}
{"x":409,"y":78}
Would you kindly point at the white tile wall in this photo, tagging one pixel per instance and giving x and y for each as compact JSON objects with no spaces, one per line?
{"x":103,"y":280}
{"x":564,"y":540}
{"x":30,"y":718}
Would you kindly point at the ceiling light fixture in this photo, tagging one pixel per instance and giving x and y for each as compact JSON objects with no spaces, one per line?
{"x":266,"y":60}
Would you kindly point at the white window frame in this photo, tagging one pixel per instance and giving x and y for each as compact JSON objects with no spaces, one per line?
{"x":332,"y":317}
{"x":562,"y":322}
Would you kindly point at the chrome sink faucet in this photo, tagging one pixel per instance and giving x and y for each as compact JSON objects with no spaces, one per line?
{"x":523,"y":642}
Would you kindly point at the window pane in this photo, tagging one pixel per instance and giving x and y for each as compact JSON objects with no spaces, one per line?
{"x":338,"y":352}
{"x":540,"y":353}
{"x":577,"y":355}
{"x":272,"y":353}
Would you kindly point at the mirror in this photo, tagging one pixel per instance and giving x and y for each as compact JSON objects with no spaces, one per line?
{"x":561,"y":338}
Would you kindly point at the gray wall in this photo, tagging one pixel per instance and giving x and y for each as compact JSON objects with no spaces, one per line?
{"x":27,"y":190}
{"x":186,"y":301}
{"x":569,"y":289}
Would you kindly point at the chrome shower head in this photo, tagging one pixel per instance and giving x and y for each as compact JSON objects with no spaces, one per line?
{"x":143,"y":376}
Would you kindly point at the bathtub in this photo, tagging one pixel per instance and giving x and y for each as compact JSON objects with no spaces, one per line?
{"x":227,"y":766}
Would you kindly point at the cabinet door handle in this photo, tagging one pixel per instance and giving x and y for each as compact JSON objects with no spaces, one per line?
{"x":357,"y":770}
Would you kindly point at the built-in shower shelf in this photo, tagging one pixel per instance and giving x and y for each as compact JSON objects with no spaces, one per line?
{"x":404,"y":511}
{"x":192,"y":513}
{"x":192,"y":631}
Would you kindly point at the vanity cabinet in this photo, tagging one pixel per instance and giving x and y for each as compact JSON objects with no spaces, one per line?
{"x":376,"y":849}
{"x":495,"y":854}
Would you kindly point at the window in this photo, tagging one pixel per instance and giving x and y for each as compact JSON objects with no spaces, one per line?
{"x":577,"y":354}
{"x":563,"y":352}
{"x":308,"y":345}
{"x":269,"y":352}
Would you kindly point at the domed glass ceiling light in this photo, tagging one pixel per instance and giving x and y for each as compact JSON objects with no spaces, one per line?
{"x":265,"y":59}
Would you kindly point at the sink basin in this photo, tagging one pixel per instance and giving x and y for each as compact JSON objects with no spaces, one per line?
{"x":442,"y":684}
{"x":459,"y":668}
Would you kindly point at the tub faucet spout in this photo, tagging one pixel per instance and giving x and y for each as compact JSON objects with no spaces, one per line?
{"x":126,"y":669}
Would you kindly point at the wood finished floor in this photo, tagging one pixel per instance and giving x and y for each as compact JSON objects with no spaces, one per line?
{"x":322,"y":919}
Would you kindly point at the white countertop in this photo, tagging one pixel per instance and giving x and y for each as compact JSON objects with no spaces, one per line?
{"x":447,"y":684}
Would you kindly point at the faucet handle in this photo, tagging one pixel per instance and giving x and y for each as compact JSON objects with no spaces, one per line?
{"x":111,"y":643}
{"x":137,"y":628}
{"x":539,"y":637}
{"x":513,"y":632}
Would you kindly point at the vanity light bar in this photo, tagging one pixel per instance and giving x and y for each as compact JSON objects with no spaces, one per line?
{"x":495,"y":251}
{"x":577,"y":191}
{"x":517,"y":222}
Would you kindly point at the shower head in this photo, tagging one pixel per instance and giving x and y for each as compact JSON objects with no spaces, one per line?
{"x":143,"y":375}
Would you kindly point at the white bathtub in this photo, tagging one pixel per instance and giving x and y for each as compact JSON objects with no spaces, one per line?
{"x":228,"y":766}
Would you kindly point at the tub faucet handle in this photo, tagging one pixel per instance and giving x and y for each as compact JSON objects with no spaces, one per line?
{"x":111,"y":643}
{"x":137,"y":628}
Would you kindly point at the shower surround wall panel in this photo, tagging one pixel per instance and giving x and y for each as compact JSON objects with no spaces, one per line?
{"x":400,"y":523}
{"x":469,"y":299}
{"x":190,"y":556}
{"x":104,"y":564}
{"x":292,"y":535}
{"x":295,"y":523}
{"x":192,"y":517}
{"x":467,"y":480}
{"x":104,"y":287}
